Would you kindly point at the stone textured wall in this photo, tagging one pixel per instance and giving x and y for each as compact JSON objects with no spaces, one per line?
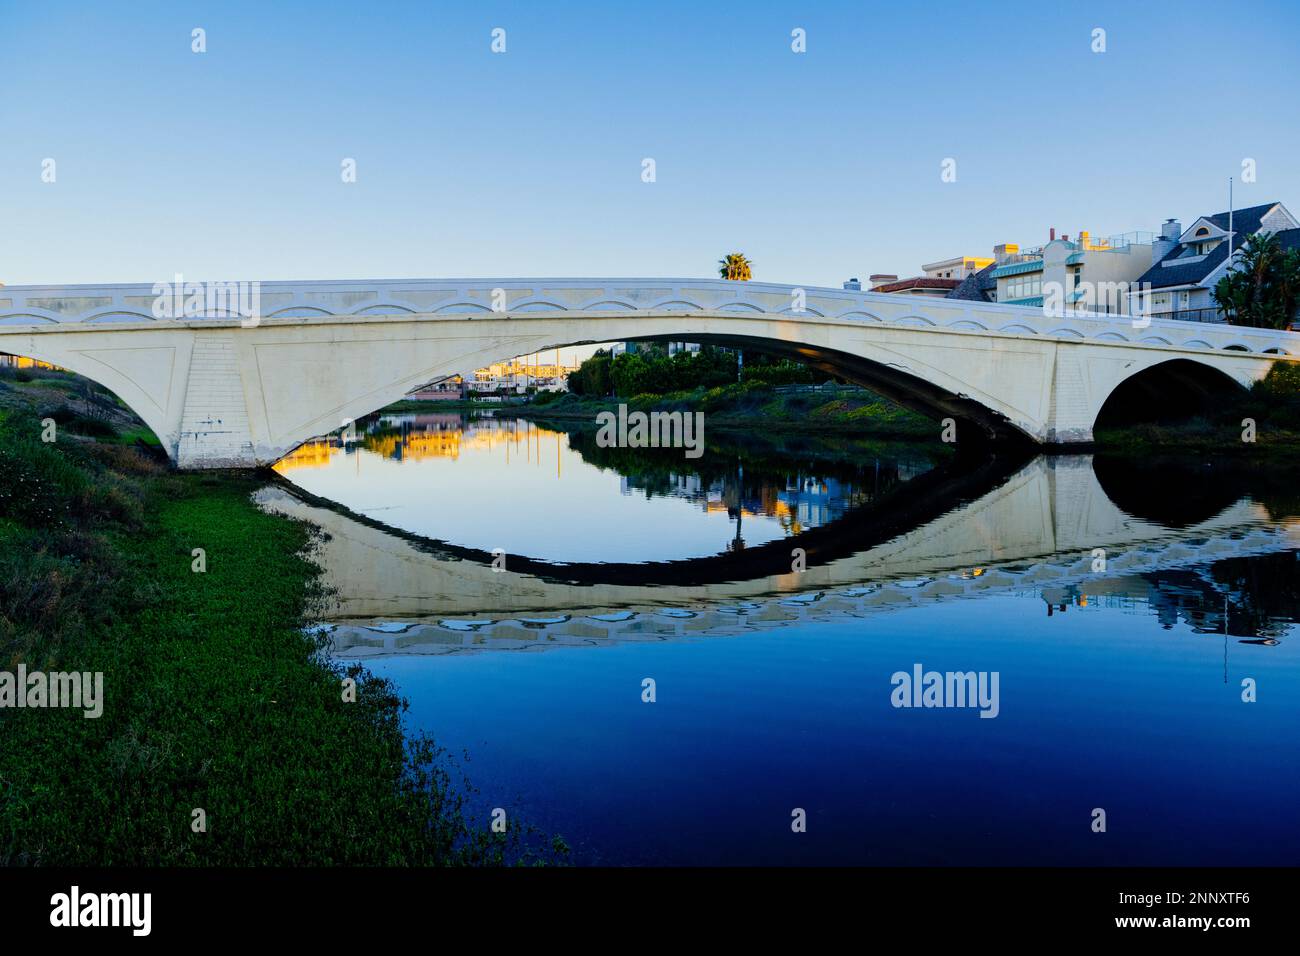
{"x":214,"y":425}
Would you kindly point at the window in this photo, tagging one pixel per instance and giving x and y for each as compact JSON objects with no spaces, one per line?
{"x":1025,"y":286}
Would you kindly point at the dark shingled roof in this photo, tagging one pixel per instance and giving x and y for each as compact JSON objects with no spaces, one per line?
{"x":977,"y":285}
{"x":1244,"y":223}
{"x":1289,"y":238}
{"x":1161,"y":275}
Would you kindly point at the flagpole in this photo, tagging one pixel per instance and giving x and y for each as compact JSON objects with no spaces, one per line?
{"x":1229,"y":260}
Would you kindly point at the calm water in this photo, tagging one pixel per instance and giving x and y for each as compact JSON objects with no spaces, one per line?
{"x":543,"y":493}
{"x":1121,"y":611}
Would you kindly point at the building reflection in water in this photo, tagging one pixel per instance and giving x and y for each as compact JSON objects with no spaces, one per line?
{"x":799,"y":503}
{"x":1255,"y":599}
{"x":422,"y":437}
{"x":400,"y":438}
{"x":799,"y":500}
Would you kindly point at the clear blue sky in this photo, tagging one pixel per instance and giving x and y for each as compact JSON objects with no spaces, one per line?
{"x":226,"y":165}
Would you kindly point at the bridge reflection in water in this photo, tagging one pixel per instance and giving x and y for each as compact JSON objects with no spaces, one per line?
{"x":960,"y":531}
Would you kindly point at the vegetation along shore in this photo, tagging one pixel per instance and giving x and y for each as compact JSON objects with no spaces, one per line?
{"x":225,"y":737}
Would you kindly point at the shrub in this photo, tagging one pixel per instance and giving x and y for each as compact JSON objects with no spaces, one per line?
{"x":37,"y":484}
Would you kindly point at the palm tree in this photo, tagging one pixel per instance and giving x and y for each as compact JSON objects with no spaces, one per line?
{"x":1262,"y":288}
{"x":735,"y":266}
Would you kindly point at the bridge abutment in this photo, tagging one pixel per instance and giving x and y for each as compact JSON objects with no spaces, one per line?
{"x":214,"y":424}
{"x":1076,"y":379}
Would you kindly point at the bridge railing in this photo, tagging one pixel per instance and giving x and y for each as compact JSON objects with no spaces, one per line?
{"x":44,"y":307}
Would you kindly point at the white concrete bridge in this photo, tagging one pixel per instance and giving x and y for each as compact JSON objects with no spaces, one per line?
{"x":226,"y":385}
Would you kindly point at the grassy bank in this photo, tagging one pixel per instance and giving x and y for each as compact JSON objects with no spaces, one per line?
{"x":1201,"y":437}
{"x":747,"y":406}
{"x":215,"y":696}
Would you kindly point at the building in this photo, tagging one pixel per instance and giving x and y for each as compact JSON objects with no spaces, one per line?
{"x":519,"y":375}
{"x":21,"y":361}
{"x":939,"y":279}
{"x":1086,"y":275}
{"x":958,"y":268}
{"x":1189,"y":262}
{"x":982,"y":286}
{"x":448,"y":390}
{"x":917,"y":285}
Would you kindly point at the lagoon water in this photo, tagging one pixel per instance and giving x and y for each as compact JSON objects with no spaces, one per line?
{"x":1140,"y":621}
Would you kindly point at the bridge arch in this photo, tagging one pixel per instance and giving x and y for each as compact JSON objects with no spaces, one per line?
{"x":927,"y":394}
{"x":142,"y":404}
{"x":926,"y":390}
{"x":1165,"y":391}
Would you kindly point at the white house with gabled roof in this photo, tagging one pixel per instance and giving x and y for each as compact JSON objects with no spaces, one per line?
{"x":1190,"y":262}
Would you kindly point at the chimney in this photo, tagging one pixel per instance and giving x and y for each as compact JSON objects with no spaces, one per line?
{"x":1167,"y":240}
{"x":881,"y":278}
{"x":853,"y":285}
{"x":1051,"y":234}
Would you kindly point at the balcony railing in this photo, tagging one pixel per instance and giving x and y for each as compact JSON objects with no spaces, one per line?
{"x":1117,"y":242}
{"x":1192,"y":315}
